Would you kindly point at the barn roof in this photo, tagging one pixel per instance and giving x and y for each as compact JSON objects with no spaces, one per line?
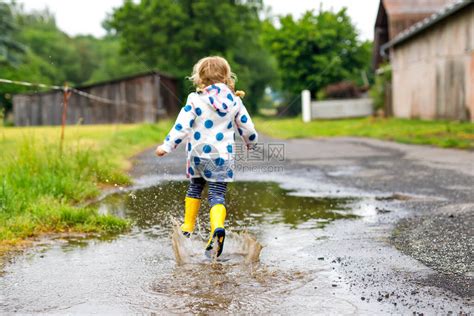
{"x":110,"y":81}
{"x":427,"y":23}
{"x":406,"y":8}
{"x":401,"y":7}
{"x":133,"y":76}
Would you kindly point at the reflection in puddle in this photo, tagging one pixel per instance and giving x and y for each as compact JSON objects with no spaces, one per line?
{"x":249,"y":204}
{"x":228,"y":287}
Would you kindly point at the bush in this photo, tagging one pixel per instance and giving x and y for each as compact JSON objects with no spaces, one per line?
{"x":342,"y":90}
{"x":379,"y":90}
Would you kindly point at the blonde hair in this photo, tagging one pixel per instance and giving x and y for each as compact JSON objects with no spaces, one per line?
{"x":211,"y":70}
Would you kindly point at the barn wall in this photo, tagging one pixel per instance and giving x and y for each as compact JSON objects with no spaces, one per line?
{"x":433,"y":72}
{"x":146,"y":100}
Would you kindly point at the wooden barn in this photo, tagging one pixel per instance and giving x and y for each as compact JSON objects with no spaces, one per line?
{"x":432,"y":65}
{"x":395,"y":16}
{"x":143,"y":97}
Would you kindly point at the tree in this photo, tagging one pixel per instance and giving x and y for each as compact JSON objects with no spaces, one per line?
{"x":171,"y":35}
{"x":52,"y":57}
{"x":168,"y":35}
{"x":40,"y":33}
{"x":317,"y":50}
{"x":10,"y":49}
{"x":110,"y":62}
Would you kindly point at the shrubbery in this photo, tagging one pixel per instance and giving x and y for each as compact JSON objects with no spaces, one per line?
{"x":379,"y":90}
{"x":342,"y":90}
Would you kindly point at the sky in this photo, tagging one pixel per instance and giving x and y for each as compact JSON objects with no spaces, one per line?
{"x":86,"y":16}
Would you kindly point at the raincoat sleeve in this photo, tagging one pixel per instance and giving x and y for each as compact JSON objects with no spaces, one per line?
{"x":245,"y":127}
{"x":182,"y":127}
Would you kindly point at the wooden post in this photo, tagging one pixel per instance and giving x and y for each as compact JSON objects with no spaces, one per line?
{"x":388,"y":99}
{"x":306,"y":106}
{"x":66,"y":96}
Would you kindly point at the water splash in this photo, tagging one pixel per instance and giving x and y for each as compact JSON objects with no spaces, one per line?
{"x":238,"y":248}
{"x":233,"y":283}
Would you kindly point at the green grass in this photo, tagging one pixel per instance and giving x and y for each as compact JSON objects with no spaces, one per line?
{"x":41,"y":186}
{"x":435,"y":133}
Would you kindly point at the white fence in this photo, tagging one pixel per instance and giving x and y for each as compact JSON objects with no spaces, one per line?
{"x":334,"y":109}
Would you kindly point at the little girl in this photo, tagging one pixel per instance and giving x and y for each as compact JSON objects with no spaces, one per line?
{"x":208,"y":122}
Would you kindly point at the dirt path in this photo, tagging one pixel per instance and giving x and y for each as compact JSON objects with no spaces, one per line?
{"x":326,"y":215}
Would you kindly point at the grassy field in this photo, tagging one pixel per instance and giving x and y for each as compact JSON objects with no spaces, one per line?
{"x":41,"y":186}
{"x":436,"y":133}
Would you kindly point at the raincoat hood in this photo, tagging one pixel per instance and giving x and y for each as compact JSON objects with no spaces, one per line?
{"x":220,"y":97}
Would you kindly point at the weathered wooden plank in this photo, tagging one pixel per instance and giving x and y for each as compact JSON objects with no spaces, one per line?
{"x":144,"y":94}
{"x":431,"y":72}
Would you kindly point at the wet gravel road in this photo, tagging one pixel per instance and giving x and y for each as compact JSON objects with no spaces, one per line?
{"x":362,"y":227}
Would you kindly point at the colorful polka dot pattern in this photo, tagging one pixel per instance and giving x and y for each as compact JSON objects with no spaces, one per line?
{"x":208,"y":123}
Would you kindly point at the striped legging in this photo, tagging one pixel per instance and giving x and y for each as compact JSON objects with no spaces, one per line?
{"x":216,"y":194}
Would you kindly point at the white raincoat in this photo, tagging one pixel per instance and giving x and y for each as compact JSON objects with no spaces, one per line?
{"x":208,"y":122}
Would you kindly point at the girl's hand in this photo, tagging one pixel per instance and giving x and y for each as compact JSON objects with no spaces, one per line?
{"x":160,"y":152}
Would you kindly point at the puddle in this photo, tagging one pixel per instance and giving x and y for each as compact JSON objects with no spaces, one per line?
{"x":249,"y":204}
{"x":141,"y":272}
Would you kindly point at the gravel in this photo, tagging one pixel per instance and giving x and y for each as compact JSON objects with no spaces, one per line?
{"x":443,"y":241}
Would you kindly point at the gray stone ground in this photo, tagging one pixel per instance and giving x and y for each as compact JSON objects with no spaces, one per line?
{"x":438,"y":228}
{"x":440,"y":234}
{"x":442,"y":240}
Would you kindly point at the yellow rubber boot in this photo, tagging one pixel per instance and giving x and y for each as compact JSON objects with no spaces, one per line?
{"x":191,"y":210}
{"x":217,"y":219}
